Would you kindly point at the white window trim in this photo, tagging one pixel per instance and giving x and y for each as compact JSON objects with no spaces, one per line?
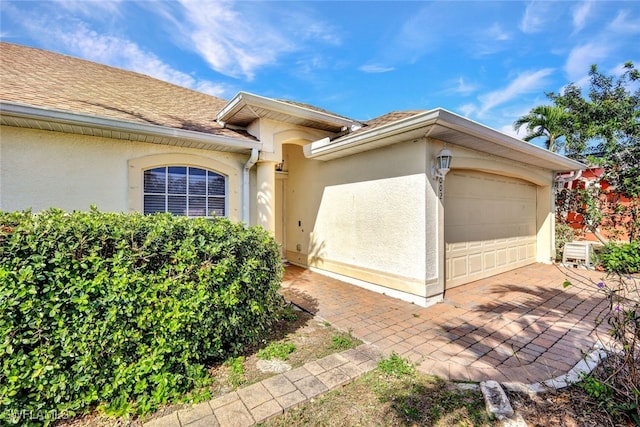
{"x":139,"y":165}
{"x":188,"y":195}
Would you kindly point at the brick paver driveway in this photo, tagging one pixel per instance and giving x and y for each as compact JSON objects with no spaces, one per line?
{"x":517,"y":326}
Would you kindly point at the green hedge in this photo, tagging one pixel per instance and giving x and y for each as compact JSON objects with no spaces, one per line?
{"x":124,"y":311}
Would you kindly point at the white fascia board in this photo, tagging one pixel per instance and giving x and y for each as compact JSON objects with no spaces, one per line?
{"x":244,"y":98}
{"x":459,"y":123}
{"x":324,"y":146}
{"x":65,"y":117}
{"x":321,"y":148}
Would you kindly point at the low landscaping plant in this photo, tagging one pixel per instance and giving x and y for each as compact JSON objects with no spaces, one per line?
{"x":564,"y":234}
{"x":124,"y":311}
{"x":277,"y":350}
{"x":617,"y":382}
{"x":622,"y":258}
{"x":343,"y":341}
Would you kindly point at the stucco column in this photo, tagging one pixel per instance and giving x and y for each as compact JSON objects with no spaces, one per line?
{"x":266,"y":195}
{"x":441,"y":240}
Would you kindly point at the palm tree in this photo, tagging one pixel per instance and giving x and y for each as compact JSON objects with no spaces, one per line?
{"x":544,"y":121}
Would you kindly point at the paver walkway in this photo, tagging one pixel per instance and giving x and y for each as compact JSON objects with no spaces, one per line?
{"x":521,"y":326}
{"x":271,"y":397}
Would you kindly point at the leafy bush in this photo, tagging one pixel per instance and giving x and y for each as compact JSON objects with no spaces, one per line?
{"x":564,"y":234}
{"x":125,"y":311}
{"x":621,"y":258}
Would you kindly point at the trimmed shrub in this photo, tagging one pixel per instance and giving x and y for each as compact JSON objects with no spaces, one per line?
{"x":124,"y":311}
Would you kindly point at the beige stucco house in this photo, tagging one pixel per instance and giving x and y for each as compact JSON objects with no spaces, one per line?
{"x":359,"y":200}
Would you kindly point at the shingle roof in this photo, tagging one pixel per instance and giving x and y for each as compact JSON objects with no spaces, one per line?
{"x":311,"y":107}
{"x":45,"y":79}
{"x":394,"y":116}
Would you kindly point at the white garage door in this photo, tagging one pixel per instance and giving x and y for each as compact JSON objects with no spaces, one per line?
{"x":490,"y":225}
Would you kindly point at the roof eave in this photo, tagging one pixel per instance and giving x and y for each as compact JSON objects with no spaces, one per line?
{"x":470,"y":127}
{"x":120,"y":129}
{"x":427,"y":124}
{"x":245,"y":99}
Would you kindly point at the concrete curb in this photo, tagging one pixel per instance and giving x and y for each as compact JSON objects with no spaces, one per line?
{"x":498,"y":403}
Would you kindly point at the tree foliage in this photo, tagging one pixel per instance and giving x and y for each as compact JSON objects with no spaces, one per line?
{"x":607,"y":119}
{"x":602,"y":128}
{"x":546,"y":121}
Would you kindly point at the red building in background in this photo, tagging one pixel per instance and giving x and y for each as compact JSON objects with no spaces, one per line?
{"x":615,"y":208}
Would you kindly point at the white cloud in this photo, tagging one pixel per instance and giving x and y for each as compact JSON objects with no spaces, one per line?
{"x":238,"y":38}
{"x":91,"y":8}
{"x":461,"y":87}
{"x":524,"y":83}
{"x":580,"y":59}
{"x":318,"y":31}
{"x":535,"y":17}
{"x":580,"y":14}
{"x":509,"y":130}
{"x":229,"y":43}
{"x":375,"y":68}
{"x":496,"y":32}
{"x":467,"y":109}
{"x":213,"y":89}
{"x":622,"y":24}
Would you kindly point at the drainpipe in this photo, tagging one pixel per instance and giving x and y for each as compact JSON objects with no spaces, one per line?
{"x":246,"y":207}
{"x":574,"y":176}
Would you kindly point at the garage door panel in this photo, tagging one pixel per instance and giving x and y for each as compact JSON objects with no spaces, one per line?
{"x":458,"y":268}
{"x":475,"y":263}
{"x":490,"y":225}
{"x":490,"y":259}
{"x":502,"y":257}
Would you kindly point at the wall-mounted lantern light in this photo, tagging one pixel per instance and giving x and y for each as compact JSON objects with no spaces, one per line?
{"x":443,"y":163}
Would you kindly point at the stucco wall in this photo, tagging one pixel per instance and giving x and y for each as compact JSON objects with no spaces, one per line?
{"x":376,"y":217}
{"x":42,"y":169}
{"x":363,"y":216}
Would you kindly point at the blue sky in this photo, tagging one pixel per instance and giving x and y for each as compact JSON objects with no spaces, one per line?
{"x":488,"y":61}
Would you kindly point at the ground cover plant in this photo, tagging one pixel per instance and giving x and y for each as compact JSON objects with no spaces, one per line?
{"x":125,"y":311}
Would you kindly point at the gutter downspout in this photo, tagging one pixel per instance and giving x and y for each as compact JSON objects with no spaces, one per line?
{"x":574,"y":176}
{"x":246,"y":208}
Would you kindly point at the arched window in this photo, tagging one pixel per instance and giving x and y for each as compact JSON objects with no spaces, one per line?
{"x":185,"y":190}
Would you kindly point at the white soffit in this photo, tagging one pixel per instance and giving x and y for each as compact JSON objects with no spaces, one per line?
{"x":445,"y":126}
{"x":25,"y":116}
{"x":245,"y":107}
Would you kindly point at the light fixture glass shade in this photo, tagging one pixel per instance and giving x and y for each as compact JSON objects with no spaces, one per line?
{"x":443,"y":159}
